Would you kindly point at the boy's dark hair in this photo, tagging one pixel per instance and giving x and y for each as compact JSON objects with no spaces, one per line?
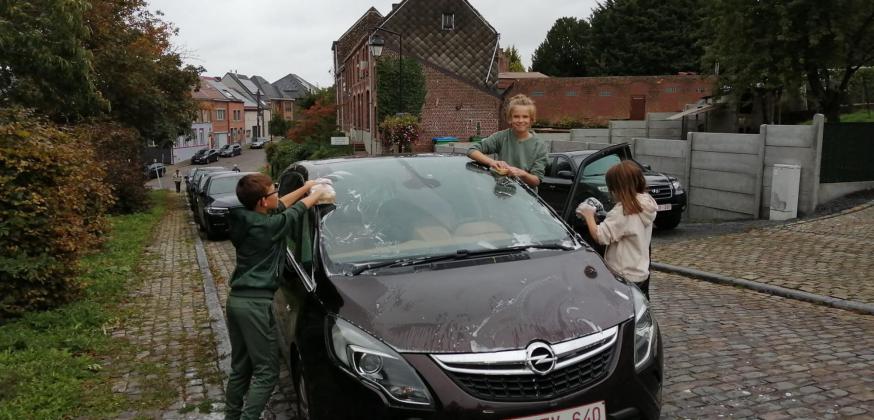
{"x":252,"y":188}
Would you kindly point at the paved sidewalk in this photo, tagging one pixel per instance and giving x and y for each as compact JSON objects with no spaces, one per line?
{"x":173,"y":357}
{"x":829,"y":256}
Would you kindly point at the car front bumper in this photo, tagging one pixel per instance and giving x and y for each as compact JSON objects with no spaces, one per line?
{"x":626,"y":392}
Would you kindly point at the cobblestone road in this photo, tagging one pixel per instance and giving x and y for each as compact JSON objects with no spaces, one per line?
{"x":174,"y":354}
{"x":830,"y":256}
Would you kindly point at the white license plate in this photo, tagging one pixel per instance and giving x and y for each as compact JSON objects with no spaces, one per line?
{"x":664,"y":207}
{"x":594,"y":411}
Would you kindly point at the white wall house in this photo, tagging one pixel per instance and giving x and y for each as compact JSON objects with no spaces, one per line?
{"x":185,"y":146}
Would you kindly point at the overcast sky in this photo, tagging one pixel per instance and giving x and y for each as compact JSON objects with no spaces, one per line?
{"x":272,"y":38}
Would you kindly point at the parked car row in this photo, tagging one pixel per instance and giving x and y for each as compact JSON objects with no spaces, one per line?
{"x":259,"y":143}
{"x":204,"y":156}
{"x":211,"y":196}
{"x":435,"y":288}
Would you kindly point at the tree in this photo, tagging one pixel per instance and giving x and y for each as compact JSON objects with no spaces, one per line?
{"x":565,"y":52}
{"x":784,"y":45}
{"x":646,"y":37}
{"x":388,"y":84}
{"x":138,"y":71}
{"x":279,"y":125}
{"x":514,"y":59}
{"x":325,"y":96}
{"x":44,"y":62}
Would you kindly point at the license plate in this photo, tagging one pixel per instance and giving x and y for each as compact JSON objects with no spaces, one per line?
{"x":594,"y":411}
{"x":664,"y":207}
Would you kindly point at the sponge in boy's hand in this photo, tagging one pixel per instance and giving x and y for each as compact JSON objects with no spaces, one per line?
{"x":329,"y":196}
{"x":501,"y":171}
{"x":323,"y":181}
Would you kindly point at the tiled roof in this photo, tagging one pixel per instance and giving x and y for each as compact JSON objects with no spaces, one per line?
{"x":361,"y":28}
{"x":213,"y":90}
{"x":468,"y":50}
{"x":267,"y":88}
{"x":293,"y":86}
{"x":521,"y":75}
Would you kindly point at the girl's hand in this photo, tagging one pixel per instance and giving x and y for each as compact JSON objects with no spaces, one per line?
{"x":585,"y":209}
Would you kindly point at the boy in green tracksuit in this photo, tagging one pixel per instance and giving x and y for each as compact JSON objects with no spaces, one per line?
{"x":258,"y":232}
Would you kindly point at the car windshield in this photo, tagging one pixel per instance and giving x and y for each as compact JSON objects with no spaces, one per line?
{"x":391,"y":209}
{"x":224,"y":185}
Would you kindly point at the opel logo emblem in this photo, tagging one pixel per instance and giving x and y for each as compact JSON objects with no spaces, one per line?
{"x":540,"y":358}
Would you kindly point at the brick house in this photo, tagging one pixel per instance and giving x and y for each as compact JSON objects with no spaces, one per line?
{"x":221,"y":107}
{"x":458,"y":50}
{"x":600,"y":99}
{"x":255,"y":104}
{"x":280,"y":104}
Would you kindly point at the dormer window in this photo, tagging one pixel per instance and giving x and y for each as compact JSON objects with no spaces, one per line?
{"x":448,"y":21}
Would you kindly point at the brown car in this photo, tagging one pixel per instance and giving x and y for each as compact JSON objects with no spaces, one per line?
{"x":435,"y":289}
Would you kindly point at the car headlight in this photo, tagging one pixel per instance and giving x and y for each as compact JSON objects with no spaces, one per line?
{"x":372,"y":361}
{"x":645,"y":329}
{"x":678,"y":188}
{"x":217,"y":211}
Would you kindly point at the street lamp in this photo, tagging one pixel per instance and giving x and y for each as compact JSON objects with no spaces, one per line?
{"x":376,"y":46}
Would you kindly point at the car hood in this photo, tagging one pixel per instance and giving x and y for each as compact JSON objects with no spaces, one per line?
{"x":229,"y":200}
{"x":655,"y":178}
{"x":487,"y":307}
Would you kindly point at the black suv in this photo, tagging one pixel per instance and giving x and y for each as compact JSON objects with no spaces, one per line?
{"x":193,"y":180}
{"x":229,"y":150}
{"x":205,"y":156}
{"x":434,"y":289}
{"x":571,"y":177}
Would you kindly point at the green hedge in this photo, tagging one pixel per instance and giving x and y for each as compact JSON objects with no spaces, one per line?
{"x":282,"y":153}
{"x":52,"y":210}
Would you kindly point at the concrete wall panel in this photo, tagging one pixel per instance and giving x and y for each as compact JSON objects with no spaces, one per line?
{"x":660,"y":147}
{"x":726,"y":162}
{"x":728,"y":143}
{"x":791,"y":136}
{"x":724,"y":200}
{"x":708,"y":213}
{"x":724,"y":181}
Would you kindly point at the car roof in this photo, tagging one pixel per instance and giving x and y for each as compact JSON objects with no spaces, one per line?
{"x":574,"y":153}
{"x":230,"y":174}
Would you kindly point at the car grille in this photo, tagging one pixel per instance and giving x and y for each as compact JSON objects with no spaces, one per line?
{"x":659,"y":191}
{"x":504,"y":376}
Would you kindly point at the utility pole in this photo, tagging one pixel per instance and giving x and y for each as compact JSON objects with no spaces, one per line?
{"x":259,"y":116}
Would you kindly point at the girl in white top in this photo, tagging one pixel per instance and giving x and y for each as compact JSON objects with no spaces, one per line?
{"x":627,"y":230}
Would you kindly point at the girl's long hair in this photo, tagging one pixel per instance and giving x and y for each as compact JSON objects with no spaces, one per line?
{"x":625,"y":180}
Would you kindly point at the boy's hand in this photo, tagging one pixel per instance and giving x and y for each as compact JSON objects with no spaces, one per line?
{"x":309,"y":184}
{"x":514,"y":171}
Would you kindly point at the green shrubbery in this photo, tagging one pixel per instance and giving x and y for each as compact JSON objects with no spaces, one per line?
{"x":116,"y":146}
{"x":52,"y":208}
{"x":282,"y":153}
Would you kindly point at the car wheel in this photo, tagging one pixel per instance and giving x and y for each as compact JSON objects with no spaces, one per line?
{"x":669,"y":221}
{"x":301,"y":386}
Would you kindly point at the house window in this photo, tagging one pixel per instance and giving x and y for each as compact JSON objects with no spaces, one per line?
{"x":201,"y":139}
{"x":219,"y":115}
{"x":537,"y":93}
{"x":700,"y":90}
{"x":605,"y":93}
{"x":672,"y":90}
{"x":570,"y":93}
{"x":448,"y":21}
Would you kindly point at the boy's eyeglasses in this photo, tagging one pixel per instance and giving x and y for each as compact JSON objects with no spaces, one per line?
{"x":269,"y":194}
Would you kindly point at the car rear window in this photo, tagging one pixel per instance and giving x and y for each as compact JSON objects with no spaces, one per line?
{"x":224,"y":185}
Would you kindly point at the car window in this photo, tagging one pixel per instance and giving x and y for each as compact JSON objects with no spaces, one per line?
{"x":593,"y":182}
{"x":409,"y":207}
{"x":224,"y":185}
{"x":562,"y":163}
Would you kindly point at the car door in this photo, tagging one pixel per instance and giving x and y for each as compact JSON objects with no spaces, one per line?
{"x":591,"y":182}
{"x":557,"y":182}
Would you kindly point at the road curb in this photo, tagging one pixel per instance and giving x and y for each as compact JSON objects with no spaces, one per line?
{"x":216,"y":314}
{"x":767,"y":288}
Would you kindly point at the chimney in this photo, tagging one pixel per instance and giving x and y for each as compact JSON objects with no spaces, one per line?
{"x":394,"y":6}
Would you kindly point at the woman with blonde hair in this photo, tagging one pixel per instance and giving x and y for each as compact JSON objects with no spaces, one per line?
{"x":627,"y":230}
{"x":520,"y":153}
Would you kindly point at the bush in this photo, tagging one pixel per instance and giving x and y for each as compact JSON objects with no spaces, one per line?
{"x":52,"y":207}
{"x":119,"y":149}
{"x":282,"y":153}
{"x":401,"y":130}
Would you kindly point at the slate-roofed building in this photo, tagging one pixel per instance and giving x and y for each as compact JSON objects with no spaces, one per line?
{"x":257,"y":106}
{"x":458,"y":50}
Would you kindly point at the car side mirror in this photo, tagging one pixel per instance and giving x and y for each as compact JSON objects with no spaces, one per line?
{"x":565,"y":174}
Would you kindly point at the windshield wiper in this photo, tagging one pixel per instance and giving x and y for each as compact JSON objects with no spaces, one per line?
{"x":458,"y":255}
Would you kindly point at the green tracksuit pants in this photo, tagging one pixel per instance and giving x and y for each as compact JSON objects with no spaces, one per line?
{"x":254,"y":356}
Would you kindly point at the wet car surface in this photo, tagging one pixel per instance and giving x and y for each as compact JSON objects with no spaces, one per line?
{"x":435,"y":289}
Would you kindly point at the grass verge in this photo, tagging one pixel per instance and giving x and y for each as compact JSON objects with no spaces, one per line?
{"x":50,"y":361}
